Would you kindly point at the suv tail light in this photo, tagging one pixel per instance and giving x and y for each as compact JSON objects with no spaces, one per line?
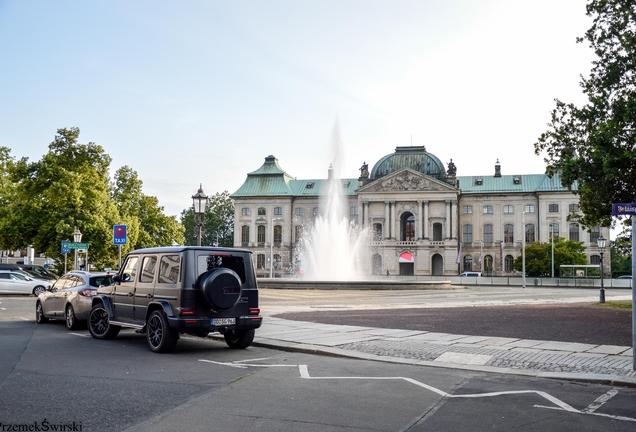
{"x":87,"y":292}
{"x":187,"y":312}
{"x":255,"y":311}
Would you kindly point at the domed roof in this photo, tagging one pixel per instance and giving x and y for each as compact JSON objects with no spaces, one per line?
{"x":415,"y":158}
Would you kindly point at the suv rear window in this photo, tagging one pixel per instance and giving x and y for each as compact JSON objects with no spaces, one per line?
{"x":98,"y":281}
{"x":213,"y":261}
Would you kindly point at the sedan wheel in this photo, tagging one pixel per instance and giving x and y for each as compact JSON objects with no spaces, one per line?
{"x":38,"y":290}
{"x":71,"y":319}
{"x":39,"y":314}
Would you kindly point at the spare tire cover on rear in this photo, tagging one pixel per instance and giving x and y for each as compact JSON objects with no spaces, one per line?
{"x":221,"y":288}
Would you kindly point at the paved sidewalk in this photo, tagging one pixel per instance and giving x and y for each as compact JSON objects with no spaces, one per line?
{"x":596,"y":363}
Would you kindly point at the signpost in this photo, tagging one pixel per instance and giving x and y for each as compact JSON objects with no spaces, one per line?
{"x":120,"y":237}
{"x":65,"y":250}
{"x":77,"y":246}
{"x":626,"y":209}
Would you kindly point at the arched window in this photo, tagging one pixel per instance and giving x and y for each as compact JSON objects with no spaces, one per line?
{"x":408,"y":227}
{"x":488,"y":264}
{"x":278,"y":234}
{"x":467,"y":234}
{"x":298,"y":233}
{"x":509,"y":233}
{"x":595,"y":260}
{"x":594,"y":234}
{"x":245,"y":234}
{"x":468,"y":263}
{"x":260,"y":261}
{"x":530,"y":233}
{"x":509,"y":262}
{"x":260,"y":234}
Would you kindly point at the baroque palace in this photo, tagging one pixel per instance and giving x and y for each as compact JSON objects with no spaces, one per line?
{"x":425,"y":219}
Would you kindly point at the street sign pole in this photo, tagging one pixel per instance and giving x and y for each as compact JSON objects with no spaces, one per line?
{"x":629,"y":209}
{"x":119,"y":267}
{"x":65,"y":257}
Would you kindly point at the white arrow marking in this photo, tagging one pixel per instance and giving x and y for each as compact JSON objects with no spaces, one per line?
{"x":600,"y":401}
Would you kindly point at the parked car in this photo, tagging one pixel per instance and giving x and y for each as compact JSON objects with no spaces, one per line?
{"x":70,"y":298}
{"x":13,"y":282}
{"x":471,"y":274}
{"x":165,"y":291}
{"x":624,"y":277}
{"x":35,"y":271}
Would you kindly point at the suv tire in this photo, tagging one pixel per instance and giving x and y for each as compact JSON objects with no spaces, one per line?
{"x":221,"y":288}
{"x":99,"y":325}
{"x":239,"y":339}
{"x":161,"y":338}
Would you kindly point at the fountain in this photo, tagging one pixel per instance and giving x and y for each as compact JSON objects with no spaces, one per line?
{"x":334,"y":249}
{"x":334,"y":252}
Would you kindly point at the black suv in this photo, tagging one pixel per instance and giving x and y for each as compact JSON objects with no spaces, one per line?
{"x":170,"y":290}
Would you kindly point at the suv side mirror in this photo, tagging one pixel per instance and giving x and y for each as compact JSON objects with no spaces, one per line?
{"x":116,"y":278}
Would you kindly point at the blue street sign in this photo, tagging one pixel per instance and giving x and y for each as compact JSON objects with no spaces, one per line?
{"x":624,"y":209}
{"x":66,"y":246}
{"x":119,"y":234}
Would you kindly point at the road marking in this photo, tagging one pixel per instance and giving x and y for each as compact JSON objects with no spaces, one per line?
{"x":560,"y":405}
{"x":79,"y":334}
{"x":3,"y":308}
{"x":600,"y":401}
{"x":25,"y":319}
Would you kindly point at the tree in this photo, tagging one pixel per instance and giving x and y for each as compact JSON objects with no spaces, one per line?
{"x":539,"y":256}
{"x":593,"y":145}
{"x":66,"y":189}
{"x":147,"y":225}
{"x":218,"y":223}
{"x":621,"y":254}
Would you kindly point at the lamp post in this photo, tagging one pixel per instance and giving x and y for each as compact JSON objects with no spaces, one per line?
{"x":77,"y":237}
{"x":199,"y":201}
{"x":271,"y":251}
{"x":552,"y":238}
{"x":601,"y":243}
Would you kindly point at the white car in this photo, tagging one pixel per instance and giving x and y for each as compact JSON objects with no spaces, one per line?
{"x":17,"y":283}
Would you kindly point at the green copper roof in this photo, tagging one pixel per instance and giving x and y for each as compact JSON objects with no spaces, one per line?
{"x":309,"y":188}
{"x":269,"y":180}
{"x":528,"y":183}
{"x":415,"y":158}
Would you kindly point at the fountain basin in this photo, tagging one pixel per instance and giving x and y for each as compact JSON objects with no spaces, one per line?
{"x":299,"y":284}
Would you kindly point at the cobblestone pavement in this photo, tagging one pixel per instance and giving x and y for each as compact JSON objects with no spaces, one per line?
{"x":597,"y":363}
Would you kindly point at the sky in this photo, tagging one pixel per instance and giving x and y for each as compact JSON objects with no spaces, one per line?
{"x":200,"y":92}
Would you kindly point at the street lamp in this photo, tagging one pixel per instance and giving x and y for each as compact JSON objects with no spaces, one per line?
{"x":271,"y":250}
{"x":523,"y":250}
{"x":77,"y":237}
{"x":552,"y":237}
{"x":199,"y":201}
{"x":601,"y":243}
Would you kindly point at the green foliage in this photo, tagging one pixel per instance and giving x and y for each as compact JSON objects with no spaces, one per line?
{"x":218,"y":223}
{"x":43,"y":202}
{"x":539,"y":256}
{"x":621,"y":253}
{"x":594,"y":144}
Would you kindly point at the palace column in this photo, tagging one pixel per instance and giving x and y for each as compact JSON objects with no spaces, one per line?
{"x":448,"y":219}
{"x":425,"y":221}
{"x":387,"y":223}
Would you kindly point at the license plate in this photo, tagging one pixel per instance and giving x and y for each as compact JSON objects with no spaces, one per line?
{"x":223,"y":321}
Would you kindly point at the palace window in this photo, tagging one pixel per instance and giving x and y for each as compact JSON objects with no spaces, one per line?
{"x":278,"y":211}
{"x":261,"y":211}
{"x":467,"y":234}
{"x":354,"y":210}
{"x":509,"y":233}
{"x":245,"y":234}
{"x":574,"y":232}
{"x":508,"y":209}
{"x":595,"y":233}
{"x":488,"y":209}
{"x":468,"y":263}
{"x":509,"y":262}
{"x":260,"y":261}
{"x":300,"y":211}
{"x":487,"y":233}
{"x":530,"y":237}
{"x":573,"y":208}
{"x":553,"y":208}
{"x":278,"y":234}
{"x":245,"y":211}
{"x":529,"y":208}
{"x":260,"y":234}
{"x":468,"y":209}
{"x":554,"y":230}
